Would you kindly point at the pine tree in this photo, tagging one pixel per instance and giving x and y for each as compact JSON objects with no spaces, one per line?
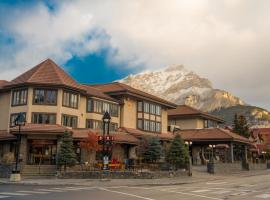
{"x":177,"y":154}
{"x":240,"y":126}
{"x":66,"y":155}
{"x":153,"y":150}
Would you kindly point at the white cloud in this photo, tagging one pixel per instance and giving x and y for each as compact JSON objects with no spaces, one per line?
{"x":226,"y":41}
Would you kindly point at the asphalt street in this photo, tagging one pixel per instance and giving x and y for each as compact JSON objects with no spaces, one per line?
{"x":251,"y":187}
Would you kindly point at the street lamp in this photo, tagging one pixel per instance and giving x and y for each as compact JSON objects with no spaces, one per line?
{"x":212,"y":146}
{"x":106,"y":128}
{"x":19,"y":121}
{"x":190,"y":162}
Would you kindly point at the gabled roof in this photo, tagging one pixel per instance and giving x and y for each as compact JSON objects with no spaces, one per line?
{"x":117,"y":88}
{"x":45,"y":73}
{"x":3,"y":83}
{"x":95,"y":92}
{"x":184,"y":111}
{"x":40,"y":129}
{"x":212,"y":135}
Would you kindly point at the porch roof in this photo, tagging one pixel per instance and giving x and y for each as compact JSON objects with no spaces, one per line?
{"x":40,"y":129}
{"x":140,"y":133}
{"x":212,"y":135}
{"x":5,"y":136}
{"x":119,"y":137}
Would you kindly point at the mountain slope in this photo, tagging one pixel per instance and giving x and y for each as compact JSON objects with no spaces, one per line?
{"x":182,"y":86}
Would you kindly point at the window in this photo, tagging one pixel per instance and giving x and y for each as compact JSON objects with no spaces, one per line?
{"x":98,"y":125}
{"x":70,"y":99}
{"x":43,"y":118}
{"x":206,"y":123}
{"x":151,"y":121}
{"x":146,"y":107}
{"x":45,"y":96}
{"x":98,"y":106}
{"x":13,"y":116}
{"x":19,"y":97}
{"x":70,"y":121}
{"x":140,"y":108}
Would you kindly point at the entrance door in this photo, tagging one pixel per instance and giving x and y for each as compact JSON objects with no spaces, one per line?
{"x":42,"y":152}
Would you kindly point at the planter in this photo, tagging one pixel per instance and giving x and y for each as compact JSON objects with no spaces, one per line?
{"x":15,"y":176}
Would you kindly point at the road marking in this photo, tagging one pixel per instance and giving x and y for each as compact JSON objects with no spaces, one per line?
{"x":221,"y":192}
{"x":13,"y":193}
{"x":198,"y":191}
{"x":50,"y":190}
{"x":1,"y":197}
{"x":195,"y":195}
{"x":127,"y":194}
{"x":33,"y":192}
{"x":215,"y":183}
{"x":263,"y":196}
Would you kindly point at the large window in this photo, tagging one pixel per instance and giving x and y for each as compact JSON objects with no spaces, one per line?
{"x":98,"y":125}
{"x":152,"y":120}
{"x":70,"y":121}
{"x":45,"y":96}
{"x":19,"y":97}
{"x":98,"y":106}
{"x":70,"y":99}
{"x":43,"y":118}
{"x":13,"y":116}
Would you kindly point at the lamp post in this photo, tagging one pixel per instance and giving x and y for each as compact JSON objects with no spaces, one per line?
{"x":189,"y":143}
{"x":19,"y":121}
{"x":212,"y":146}
{"x":105,"y":139}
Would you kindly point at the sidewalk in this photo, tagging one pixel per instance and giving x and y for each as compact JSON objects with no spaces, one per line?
{"x":196,"y":178}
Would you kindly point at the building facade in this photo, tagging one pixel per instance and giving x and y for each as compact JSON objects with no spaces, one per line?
{"x":52,"y":103}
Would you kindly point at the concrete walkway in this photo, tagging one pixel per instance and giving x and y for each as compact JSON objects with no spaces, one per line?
{"x":196,"y":178}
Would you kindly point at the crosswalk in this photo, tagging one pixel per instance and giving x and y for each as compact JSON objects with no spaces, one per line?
{"x":41,"y":191}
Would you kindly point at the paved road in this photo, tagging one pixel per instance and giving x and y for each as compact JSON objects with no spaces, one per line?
{"x":252,"y":187}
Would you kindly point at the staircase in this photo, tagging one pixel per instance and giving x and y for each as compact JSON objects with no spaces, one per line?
{"x":39,"y":171}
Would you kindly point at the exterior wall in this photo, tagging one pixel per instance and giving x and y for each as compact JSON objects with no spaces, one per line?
{"x":164,"y":123}
{"x":4,"y":110}
{"x":189,"y":123}
{"x":129,"y":113}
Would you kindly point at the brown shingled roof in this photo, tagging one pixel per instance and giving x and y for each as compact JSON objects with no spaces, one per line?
{"x":211,"y":135}
{"x":184,"y":111}
{"x":5,"y":136}
{"x":48,"y":73}
{"x":139,"y":133}
{"x":40,"y":128}
{"x":117,"y":88}
{"x":95,"y":92}
{"x":3,"y":83}
{"x":119,"y":137}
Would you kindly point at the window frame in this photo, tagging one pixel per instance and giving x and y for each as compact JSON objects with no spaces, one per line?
{"x":70,"y":93}
{"x":101,"y":124}
{"x":70,"y":116}
{"x":14,"y":114}
{"x":46,"y":90}
{"x":43,"y":113}
{"x":20,"y":94}
{"x":97,"y":106}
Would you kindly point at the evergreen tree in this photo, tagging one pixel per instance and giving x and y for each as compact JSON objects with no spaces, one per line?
{"x":153,"y":150}
{"x":66,"y":155}
{"x":177,"y":154}
{"x":240,"y":126}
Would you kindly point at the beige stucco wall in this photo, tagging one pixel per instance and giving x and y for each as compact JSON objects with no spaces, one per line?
{"x":164,"y":121}
{"x":4,"y":110}
{"x":129,"y":113}
{"x":190,"y":123}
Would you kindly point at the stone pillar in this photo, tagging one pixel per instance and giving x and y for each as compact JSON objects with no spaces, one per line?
{"x":231,"y":153}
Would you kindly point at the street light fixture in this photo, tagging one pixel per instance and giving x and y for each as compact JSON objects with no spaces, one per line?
{"x":212,"y":146}
{"x":105,"y":139}
{"x":19,"y":121}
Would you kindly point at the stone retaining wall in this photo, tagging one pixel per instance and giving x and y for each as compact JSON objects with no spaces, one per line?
{"x":121,"y":174}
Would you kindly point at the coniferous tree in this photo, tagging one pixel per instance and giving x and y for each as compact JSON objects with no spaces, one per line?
{"x":66,"y":155}
{"x":153,"y":150}
{"x":177,"y":154}
{"x":240,"y":126}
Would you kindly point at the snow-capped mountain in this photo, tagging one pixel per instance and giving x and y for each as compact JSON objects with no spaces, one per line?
{"x":181,"y":86}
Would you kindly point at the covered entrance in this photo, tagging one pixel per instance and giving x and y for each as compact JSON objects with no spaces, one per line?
{"x":41,"y":152}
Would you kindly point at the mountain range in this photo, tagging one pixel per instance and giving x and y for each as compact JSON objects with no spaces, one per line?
{"x":182,"y":86}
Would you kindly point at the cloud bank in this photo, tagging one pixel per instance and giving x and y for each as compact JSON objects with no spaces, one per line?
{"x":226,"y":41}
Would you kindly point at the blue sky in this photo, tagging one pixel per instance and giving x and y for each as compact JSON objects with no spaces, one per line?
{"x":226,"y":41}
